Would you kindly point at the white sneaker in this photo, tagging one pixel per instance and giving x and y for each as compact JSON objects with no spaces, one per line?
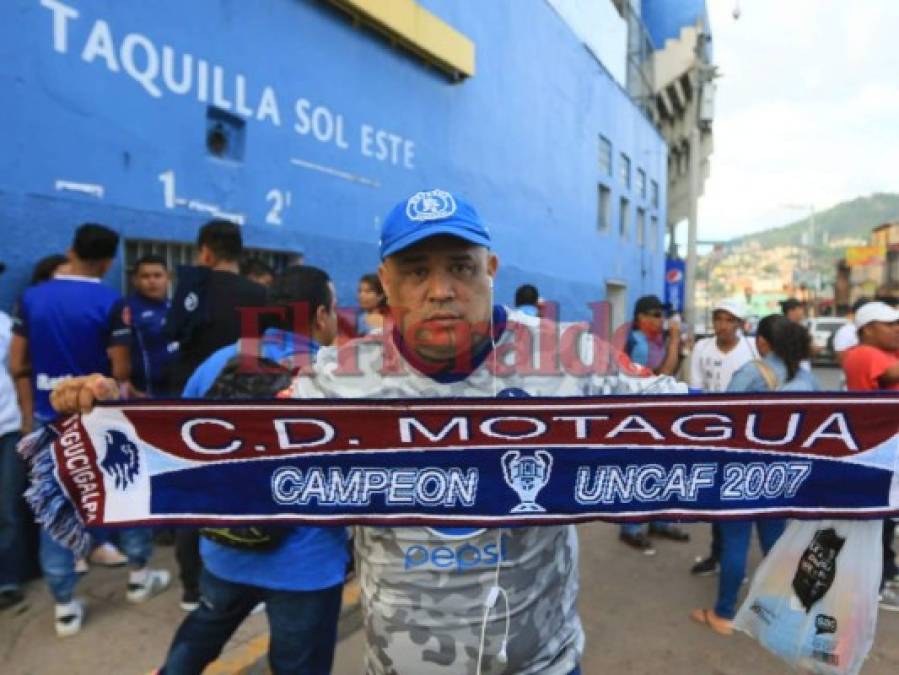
{"x":108,"y":555}
{"x":69,"y":618}
{"x":189,"y":605}
{"x":889,"y":600}
{"x":190,"y":600}
{"x":154,"y":583}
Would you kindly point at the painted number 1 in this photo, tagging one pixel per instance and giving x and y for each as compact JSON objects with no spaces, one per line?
{"x":167,"y":178}
{"x":279,"y":200}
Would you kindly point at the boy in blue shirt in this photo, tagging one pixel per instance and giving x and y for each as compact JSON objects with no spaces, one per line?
{"x":300,"y":577}
{"x":63,"y":328}
{"x":145,"y":310}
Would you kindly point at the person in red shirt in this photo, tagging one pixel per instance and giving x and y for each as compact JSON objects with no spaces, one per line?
{"x":873,"y":364}
{"x":870,"y":366}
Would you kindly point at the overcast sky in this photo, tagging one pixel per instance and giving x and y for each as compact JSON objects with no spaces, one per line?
{"x":807,"y":110}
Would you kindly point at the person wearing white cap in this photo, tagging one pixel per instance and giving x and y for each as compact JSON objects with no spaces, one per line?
{"x":870,"y":366}
{"x":713,"y":362}
{"x":873,"y":364}
{"x":715,"y":359}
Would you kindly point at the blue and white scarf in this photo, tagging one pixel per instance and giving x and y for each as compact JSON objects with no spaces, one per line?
{"x":476,"y":462}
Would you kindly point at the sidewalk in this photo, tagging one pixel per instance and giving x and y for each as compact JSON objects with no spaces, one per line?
{"x":119,"y":637}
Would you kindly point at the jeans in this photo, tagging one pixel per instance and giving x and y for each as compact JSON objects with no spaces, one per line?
{"x":13,"y":514}
{"x":735,"y":536}
{"x":187,"y":553}
{"x":716,"y":541}
{"x":890,"y":569}
{"x":303,"y":627}
{"x":58,"y":562}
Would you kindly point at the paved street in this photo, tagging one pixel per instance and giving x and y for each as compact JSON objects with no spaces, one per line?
{"x":635,"y":612}
{"x":828,"y":377}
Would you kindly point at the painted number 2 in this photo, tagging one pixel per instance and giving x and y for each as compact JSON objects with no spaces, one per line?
{"x":279,"y":200}
{"x":770,"y":481}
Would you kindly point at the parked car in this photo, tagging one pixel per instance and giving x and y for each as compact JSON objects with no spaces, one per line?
{"x":751,"y":324}
{"x":822,"y":330}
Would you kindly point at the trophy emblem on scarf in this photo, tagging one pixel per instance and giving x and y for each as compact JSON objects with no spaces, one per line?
{"x":527,"y":475}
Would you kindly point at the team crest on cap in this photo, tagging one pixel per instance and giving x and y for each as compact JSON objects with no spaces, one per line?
{"x":430,"y":205}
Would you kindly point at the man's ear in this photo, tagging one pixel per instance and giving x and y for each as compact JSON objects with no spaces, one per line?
{"x":492,"y":266}
{"x":383,"y":276}
{"x":321,"y":319}
{"x":204,"y":256}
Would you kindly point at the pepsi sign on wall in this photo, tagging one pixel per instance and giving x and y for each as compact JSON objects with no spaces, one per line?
{"x":675,"y":280}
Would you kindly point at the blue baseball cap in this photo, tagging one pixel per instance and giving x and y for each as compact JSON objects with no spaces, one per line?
{"x":429,"y":213}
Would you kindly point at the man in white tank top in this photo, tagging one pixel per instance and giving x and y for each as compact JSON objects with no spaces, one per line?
{"x":715,"y":359}
{"x":712,"y":365}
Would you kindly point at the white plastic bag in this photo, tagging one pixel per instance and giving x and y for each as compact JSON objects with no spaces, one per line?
{"x":813,"y":600}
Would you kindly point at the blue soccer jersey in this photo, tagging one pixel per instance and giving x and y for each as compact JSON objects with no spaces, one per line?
{"x":150,"y":346}
{"x":69,"y":323}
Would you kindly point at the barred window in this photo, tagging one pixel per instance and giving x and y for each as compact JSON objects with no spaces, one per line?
{"x":641,"y":227}
{"x":624,"y":171}
{"x":604,"y":208}
{"x":605,"y":156}
{"x":179,"y":253}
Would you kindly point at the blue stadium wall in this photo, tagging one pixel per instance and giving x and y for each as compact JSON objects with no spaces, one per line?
{"x":94,"y":94}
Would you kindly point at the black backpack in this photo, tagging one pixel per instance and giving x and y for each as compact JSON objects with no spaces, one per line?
{"x":248,"y":377}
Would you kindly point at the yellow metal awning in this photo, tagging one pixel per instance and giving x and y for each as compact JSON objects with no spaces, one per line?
{"x":417,"y":29}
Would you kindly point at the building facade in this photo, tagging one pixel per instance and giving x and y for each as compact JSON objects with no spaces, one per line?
{"x":305,"y":120}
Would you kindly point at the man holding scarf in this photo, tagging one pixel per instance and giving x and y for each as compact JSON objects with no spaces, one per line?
{"x":452,"y":601}
{"x":460,"y":600}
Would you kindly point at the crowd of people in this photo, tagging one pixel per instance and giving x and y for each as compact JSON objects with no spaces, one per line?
{"x":72,"y":340}
{"x":68,"y":323}
{"x":777,"y":358}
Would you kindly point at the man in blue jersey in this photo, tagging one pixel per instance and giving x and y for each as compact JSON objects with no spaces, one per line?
{"x":145,"y":310}
{"x":63,"y":328}
{"x":298,"y":572}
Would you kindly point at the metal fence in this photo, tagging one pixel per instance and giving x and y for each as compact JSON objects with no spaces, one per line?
{"x":178,"y":253}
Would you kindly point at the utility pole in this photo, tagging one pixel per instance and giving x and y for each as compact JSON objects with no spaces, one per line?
{"x":704,"y":75}
{"x":812,"y":279}
{"x":692,"y":217}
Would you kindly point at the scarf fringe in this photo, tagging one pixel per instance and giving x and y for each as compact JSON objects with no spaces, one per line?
{"x":52,"y":508}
